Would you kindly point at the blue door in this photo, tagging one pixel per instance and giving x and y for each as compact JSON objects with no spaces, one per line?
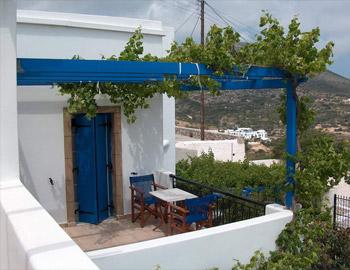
{"x":93,"y":167}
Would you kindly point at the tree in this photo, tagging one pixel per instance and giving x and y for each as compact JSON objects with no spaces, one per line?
{"x":293,"y":51}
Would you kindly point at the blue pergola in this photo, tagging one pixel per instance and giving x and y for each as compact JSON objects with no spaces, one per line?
{"x":51,"y":71}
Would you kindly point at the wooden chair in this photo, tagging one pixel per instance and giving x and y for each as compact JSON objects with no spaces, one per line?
{"x":141,"y":199}
{"x":198,"y":211}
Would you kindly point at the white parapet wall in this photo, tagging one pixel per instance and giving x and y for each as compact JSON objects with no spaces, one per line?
{"x":342,"y":189}
{"x":30,"y":238}
{"x":224,"y":150}
{"x":266,"y":162}
{"x":219,"y":246}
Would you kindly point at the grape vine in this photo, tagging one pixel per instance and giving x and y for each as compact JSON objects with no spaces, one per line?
{"x":294,"y":52}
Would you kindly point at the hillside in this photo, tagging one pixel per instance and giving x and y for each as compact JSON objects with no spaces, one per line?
{"x":257,"y":109}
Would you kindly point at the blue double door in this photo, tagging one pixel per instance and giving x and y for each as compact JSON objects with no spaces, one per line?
{"x":93,"y":167}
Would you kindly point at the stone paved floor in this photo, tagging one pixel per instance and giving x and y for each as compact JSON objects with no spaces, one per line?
{"x":114,"y":232}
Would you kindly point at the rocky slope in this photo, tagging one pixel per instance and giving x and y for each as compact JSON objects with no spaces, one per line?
{"x":329,"y":91}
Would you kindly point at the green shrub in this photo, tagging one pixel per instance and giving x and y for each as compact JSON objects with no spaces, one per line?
{"x":233,"y":176}
{"x":308,"y":243}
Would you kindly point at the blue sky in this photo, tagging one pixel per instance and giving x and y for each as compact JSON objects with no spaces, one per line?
{"x":333,"y":17}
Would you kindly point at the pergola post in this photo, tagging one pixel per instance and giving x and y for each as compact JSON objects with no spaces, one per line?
{"x":9,"y":164}
{"x":291,"y":143}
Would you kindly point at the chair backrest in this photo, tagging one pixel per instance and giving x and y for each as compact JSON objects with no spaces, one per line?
{"x":143,"y":183}
{"x":199,"y":208}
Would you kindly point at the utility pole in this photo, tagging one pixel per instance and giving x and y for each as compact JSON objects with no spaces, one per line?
{"x":202,"y":92}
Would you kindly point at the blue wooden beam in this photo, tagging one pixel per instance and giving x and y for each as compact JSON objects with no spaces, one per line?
{"x":49,"y":71}
{"x":260,"y":84}
{"x":291,"y":144}
{"x":266,"y":72}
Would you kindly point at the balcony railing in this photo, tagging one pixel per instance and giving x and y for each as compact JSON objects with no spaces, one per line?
{"x":229,"y":207}
{"x":341,"y":211}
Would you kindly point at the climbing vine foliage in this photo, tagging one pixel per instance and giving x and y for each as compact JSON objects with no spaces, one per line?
{"x":294,"y":51}
{"x":291,"y":50}
{"x":84,"y":97}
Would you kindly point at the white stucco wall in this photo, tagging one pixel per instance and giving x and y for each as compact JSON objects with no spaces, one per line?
{"x":342,"y":189}
{"x":8,"y":96}
{"x":40,"y":118}
{"x":266,"y":162}
{"x":224,"y":150}
{"x":32,"y":238}
{"x":219,"y":246}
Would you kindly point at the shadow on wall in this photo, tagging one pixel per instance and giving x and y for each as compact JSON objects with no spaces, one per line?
{"x":41,"y":154}
{"x":142,"y":145}
{"x":56,"y":189}
{"x":24,"y":172}
{"x":41,"y":107}
{"x":146,"y":145}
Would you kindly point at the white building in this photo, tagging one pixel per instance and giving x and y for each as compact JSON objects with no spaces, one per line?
{"x":223,"y":150}
{"x":36,"y":150}
{"x":45,"y":132}
{"x":249,"y":133}
{"x":262,"y":135}
{"x":246,"y":133}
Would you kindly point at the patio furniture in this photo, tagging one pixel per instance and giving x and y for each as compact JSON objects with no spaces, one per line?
{"x":141,"y":199}
{"x":168,"y":197}
{"x":198,"y":211}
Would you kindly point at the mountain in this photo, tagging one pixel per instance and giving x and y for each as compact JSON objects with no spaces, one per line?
{"x":257,"y":108}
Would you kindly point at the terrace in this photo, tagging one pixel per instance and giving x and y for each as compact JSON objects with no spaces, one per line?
{"x":113,"y":232}
{"x":120,"y":231}
{"x":31,"y":239}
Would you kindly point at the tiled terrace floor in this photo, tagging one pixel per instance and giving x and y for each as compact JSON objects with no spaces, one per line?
{"x":114,"y":232}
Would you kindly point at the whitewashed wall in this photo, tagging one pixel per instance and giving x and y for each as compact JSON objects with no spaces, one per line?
{"x":30,"y":238}
{"x":218,"y":247}
{"x":342,"y":189}
{"x":266,"y":162}
{"x":8,"y":97}
{"x":224,"y":150}
{"x":41,"y":141}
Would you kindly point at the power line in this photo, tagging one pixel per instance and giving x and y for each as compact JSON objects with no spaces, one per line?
{"x":217,"y":14}
{"x":248,"y":28}
{"x":209,"y":17}
{"x":184,"y":22}
{"x":227,"y":21}
{"x":195,"y":26}
{"x":212,"y":18}
{"x":234,"y":19}
{"x":243,"y":36}
{"x":175,"y":4}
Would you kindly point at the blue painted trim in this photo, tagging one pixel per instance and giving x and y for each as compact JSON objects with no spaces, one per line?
{"x":49,"y":71}
{"x":260,"y":84}
{"x":291,"y":142}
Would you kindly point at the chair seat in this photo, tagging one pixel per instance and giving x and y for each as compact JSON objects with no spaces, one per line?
{"x":196,"y":210}
{"x":196,"y":218}
{"x":150,"y":200}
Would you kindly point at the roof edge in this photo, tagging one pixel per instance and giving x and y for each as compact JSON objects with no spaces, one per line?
{"x":108,"y":23}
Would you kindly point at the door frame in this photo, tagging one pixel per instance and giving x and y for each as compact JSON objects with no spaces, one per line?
{"x":116,"y":159}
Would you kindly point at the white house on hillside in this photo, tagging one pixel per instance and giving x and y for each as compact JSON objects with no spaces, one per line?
{"x":249,"y":133}
{"x":223,"y":150}
{"x":46,"y":133}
